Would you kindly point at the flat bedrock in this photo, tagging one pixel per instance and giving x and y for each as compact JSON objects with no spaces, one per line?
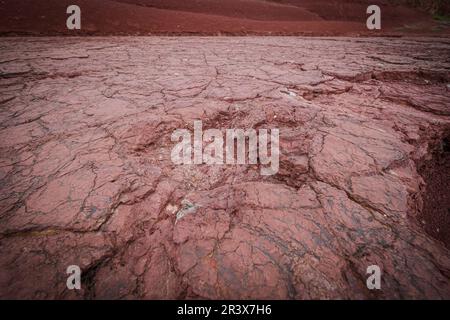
{"x":86,"y":176}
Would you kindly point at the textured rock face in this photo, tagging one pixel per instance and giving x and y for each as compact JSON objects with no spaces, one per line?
{"x":87,"y":179}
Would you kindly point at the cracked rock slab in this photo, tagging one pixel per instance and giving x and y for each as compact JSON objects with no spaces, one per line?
{"x":86,"y":175}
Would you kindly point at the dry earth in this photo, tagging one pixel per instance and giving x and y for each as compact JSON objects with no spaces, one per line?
{"x":213,"y":17}
{"x":86,"y":176}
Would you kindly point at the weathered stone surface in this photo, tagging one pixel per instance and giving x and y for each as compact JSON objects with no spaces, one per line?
{"x":86,"y":176}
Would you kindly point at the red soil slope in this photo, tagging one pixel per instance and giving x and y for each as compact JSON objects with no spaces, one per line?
{"x":210,"y":17}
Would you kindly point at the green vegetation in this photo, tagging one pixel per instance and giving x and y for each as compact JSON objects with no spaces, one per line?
{"x":441,"y":17}
{"x":436,"y":7}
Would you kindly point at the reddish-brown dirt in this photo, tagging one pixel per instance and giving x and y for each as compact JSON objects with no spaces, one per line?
{"x":435,"y":216}
{"x":213,"y":17}
{"x":86,"y":176}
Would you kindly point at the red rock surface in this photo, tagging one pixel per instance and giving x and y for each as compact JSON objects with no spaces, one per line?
{"x":86,"y":176}
{"x":214,"y":17}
